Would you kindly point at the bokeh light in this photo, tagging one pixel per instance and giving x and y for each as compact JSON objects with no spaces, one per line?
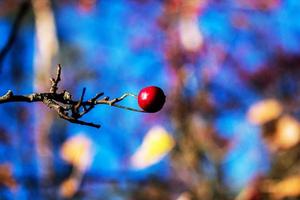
{"x":229,"y":128}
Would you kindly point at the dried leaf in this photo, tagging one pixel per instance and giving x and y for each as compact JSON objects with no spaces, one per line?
{"x":287,"y":132}
{"x":6,"y":177}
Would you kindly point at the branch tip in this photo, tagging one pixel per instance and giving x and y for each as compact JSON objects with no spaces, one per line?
{"x":54,"y":82}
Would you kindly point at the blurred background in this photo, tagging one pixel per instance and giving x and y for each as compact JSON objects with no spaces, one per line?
{"x":230,"y":127}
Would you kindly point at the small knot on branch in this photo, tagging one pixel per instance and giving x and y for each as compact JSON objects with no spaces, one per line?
{"x":67,"y":96}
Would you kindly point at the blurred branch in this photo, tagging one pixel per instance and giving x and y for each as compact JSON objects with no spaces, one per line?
{"x":46,"y":46}
{"x":15,"y":29}
{"x":62,"y":102}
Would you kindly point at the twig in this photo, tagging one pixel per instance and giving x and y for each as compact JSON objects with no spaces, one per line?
{"x":54,"y":82}
{"x":93,"y":100}
{"x":62,"y":102}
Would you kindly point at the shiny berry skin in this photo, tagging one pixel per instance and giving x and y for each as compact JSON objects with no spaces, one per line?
{"x":151,"y":99}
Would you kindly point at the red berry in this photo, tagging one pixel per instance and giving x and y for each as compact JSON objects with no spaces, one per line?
{"x":151,"y":99}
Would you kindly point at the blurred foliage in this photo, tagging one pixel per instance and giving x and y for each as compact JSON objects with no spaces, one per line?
{"x":230,"y":128}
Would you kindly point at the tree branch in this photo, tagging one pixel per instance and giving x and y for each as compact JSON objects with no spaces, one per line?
{"x":15,"y":29}
{"x":62,"y":102}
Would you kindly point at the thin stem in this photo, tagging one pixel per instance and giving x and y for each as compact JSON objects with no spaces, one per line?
{"x":114,"y":101}
{"x":127,"y":108}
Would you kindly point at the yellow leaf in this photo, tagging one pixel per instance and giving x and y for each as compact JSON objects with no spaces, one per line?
{"x":77,"y":151}
{"x":156,"y":144}
{"x":287,"y":132}
{"x":69,"y":187}
{"x":264,"y":111}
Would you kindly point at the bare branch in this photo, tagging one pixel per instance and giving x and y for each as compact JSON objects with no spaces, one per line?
{"x":15,"y":29}
{"x":67,"y":108}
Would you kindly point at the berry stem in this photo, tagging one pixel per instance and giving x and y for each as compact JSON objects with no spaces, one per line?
{"x":124,"y":107}
{"x":127,"y":108}
{"x":133,"y":95}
